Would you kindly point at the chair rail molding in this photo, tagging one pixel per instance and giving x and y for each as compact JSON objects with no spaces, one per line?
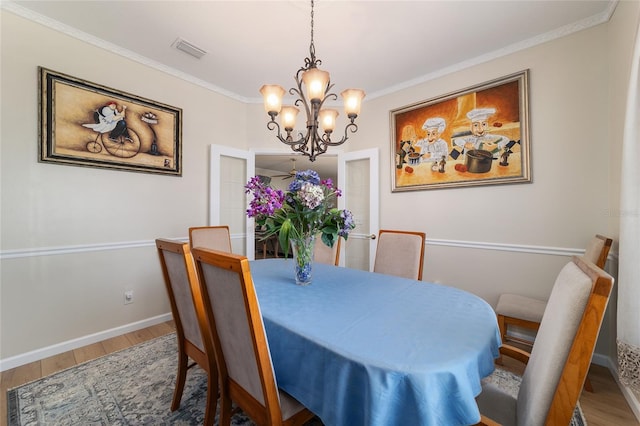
{"x":477,"y":245}
{"x":84,"y":248}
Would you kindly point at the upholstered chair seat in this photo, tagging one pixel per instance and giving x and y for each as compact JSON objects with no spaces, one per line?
{"x":516,"y":306}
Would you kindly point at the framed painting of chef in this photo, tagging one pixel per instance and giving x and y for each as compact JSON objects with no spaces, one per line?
{"x":87,"y":124}
{"x":475,"y":136}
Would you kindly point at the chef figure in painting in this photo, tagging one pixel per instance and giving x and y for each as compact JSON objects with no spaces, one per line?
{"x":480,"y":137}
{"x":432,"y":147}
{"x":110,"y":120}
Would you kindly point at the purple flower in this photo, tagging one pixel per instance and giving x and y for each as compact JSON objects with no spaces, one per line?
{"x":328,"y":183}
{"x":310,"y":176}
{"x":266,"y":200}
{"x":347,"y":223}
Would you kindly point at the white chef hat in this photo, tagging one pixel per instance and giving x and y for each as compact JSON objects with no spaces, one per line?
{"x":434,"y":122}
{"x":480,"y":114}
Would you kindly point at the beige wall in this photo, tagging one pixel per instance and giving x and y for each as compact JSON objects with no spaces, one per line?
{"x":50,"y":299}
{"x":575,"y":140}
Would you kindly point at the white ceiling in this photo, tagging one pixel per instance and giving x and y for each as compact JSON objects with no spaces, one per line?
{"x":378,"y":46}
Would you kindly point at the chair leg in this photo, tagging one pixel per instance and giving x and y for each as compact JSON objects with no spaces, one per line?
{"x":225,"y":411}
{"x":180,"y":379}
{"x":503,"y":328}
{"x":587,"y":385}
{"x":503,"y":334}
{"x":212,"y":399}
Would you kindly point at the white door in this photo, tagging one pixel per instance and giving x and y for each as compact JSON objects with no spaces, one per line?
{"x":230,"y":170}
{"x":358,"y":177}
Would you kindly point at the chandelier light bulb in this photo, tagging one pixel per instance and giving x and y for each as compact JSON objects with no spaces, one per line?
{"x":328,"y":119}
{"x":316,"y":82}
{"x":272,"y":95}
{"x":288,"y":117}
{"x":352,"y":101}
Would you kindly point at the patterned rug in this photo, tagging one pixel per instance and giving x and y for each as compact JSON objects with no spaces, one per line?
{"x":134,"y":387}
{"x":130,"y":387}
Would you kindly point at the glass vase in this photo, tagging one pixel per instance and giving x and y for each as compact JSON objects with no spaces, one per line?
{"x":302,"y":249}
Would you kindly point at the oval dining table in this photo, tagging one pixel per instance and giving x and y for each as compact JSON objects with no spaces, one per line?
{"x":363,"y":348}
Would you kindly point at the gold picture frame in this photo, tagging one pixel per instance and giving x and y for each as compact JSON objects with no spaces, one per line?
{"x":476,"y":136}
{"x":90,"y":125}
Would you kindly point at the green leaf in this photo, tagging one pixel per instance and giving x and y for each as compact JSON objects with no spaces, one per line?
{"x":283,"y":237}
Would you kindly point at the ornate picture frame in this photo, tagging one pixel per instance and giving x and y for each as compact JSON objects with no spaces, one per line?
{"x":90,"y":125}
{"x":475,"y":136}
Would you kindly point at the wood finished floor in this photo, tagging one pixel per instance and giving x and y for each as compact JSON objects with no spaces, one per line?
{"x":605,"y":407}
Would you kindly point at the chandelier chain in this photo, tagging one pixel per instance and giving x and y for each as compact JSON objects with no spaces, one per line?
{"x":312,"y":47}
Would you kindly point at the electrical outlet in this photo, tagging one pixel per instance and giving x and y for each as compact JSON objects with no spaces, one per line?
{"x":128,"y":297}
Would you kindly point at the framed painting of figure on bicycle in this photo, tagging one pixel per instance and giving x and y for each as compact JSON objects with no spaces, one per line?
{"x":90,"y":125}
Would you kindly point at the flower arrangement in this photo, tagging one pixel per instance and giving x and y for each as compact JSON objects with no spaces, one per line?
{"x":306,"y":209}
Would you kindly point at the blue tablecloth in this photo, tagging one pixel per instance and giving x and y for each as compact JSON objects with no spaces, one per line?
{"x":360,"y":348}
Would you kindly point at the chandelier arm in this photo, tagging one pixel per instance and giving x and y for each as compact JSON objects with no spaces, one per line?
{"x":328,"y":142}
{"x":300,"y":94}
{"x":271,"y":125}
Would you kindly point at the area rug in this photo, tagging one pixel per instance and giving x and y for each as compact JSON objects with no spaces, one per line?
{"x":130,"y":387}
{"x":510,"y":383}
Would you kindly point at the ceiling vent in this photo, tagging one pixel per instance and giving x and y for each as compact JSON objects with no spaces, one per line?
{"x":188,"y":48}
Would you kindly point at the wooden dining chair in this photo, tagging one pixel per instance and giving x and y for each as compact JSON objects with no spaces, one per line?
{"x":232,"y":314}
{"x":526,"y":312}
{"x":556,"y":368}
{"x":180,"y":278}
{"x":322,"y":253}
{"x":266,"y":245}
{"x":211,"y":237}
{"x":400,"y":253}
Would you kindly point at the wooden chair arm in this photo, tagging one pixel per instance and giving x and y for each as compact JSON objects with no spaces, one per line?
{"x":486,"y":421}
{"x":515,"y":353}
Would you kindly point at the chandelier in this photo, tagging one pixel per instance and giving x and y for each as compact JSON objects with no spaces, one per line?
{"x":317,"y":84}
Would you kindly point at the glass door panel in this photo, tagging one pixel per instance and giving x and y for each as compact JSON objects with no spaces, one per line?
{"x":358,"y":178}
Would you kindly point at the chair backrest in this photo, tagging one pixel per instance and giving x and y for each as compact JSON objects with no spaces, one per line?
{"x":211,"y":237}
{"x":597,"y":250}
{"x":324,"y":254}
{"x":232,"y":313}
{"x":180,"y":280}
{"x":561,"y":354}
{"x":400,"y":253}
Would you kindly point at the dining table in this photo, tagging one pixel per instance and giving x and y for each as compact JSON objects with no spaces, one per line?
{"x":363,"y":348}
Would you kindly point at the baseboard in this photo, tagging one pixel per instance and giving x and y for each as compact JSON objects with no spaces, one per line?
{"x":632,"y":400}
{"x":58,"y":348}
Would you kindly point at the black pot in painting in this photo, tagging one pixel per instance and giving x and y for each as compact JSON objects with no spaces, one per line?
{"x":414,"y":158}
{"x":478,"y":161}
